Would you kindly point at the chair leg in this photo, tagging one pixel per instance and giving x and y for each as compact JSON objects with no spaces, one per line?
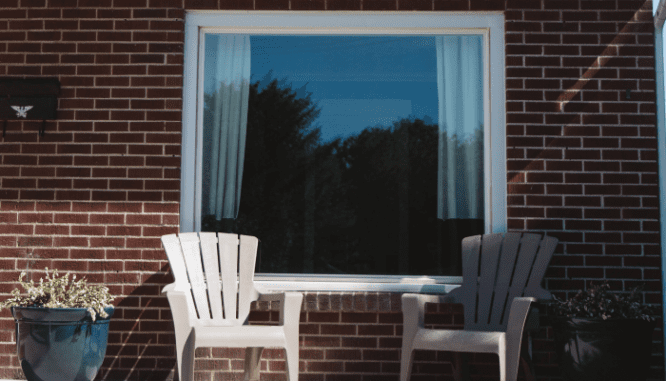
{"x":185,"y":357}
{"x":406,"y":362}
{"x":503,"y":366}
{"x":528,"y":369}
{"x":292,"y":361}
{"x":252,"y":366}
{"x":509,"y":359}
{"x":526,"y":360}
{"x":460,"y":366}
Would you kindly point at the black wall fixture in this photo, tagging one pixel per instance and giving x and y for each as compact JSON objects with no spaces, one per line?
{"x":28,"y":99}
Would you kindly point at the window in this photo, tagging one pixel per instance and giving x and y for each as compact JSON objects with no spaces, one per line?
{"x":348,"y":147}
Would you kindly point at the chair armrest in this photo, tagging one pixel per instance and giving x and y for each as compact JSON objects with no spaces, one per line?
{"x":175,"y":286}
{"x":168,"y":288}
{"x":180,"y":300}
{"x":292,"y":306}
{"x":520,"y":307}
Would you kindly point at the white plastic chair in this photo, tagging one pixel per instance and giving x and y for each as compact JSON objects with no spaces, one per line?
{"x":502,"y":276}
{"x":211,"y":296}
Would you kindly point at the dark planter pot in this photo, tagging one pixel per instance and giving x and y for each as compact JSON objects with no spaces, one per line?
{"x":609,"y":350}
{"x":60,"y":344}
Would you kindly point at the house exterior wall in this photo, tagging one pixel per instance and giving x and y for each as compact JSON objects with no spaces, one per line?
{"x":95,"y":193}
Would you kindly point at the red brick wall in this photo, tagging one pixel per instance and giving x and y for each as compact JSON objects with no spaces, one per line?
{"x":95,"y":193}
{"x":581,"y":144}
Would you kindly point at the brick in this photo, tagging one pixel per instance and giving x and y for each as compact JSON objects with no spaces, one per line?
{"x":516,"y":200}
{"x":324,"y":366}
{"x":338,"y":329}
{"x":343,"y":354}
{"x":641,"y":261}
{"x":154,"y":231}
{"x":19,"y":160}
{"x":544,"y":177}
{"x":620,"y":178}
{"x":543,"y":201}
{"x":87,"y":230}
{"x":603,"y":237}
{"x":525,"y":188}
{"x":564,"y":213}
{"x":624,"y":273}
{"x":647,"y":190}
{"x":585,"y":273}
{"x":321,"y":341}
{"x":129,"y":47}
{"x":107,"y":219}
{"x":540,"y":224}
{"x":129,"y":3}
{"x":54,"y":183}
{"x":14,"y":218}
{"x":79,"y":13}
{"x":144,"y":196}
{"x":109,"y":196}
{"x":573,"y":178}
{"x":359,"y":342}
{"x":583,"y":225}
{"x":564,"y":166}
{"x":147,"y":59}
{"x":602,"y":189}
{"x":25,"y":24}
{"x":91,"y":184}
{"x":34,"y":241}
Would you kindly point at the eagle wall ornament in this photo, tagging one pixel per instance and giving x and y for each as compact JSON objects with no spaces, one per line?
{"x":21,"y":111}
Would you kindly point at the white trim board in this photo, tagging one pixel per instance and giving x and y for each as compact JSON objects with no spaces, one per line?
{"x":661,"y":144}
{"x":489,"y":24}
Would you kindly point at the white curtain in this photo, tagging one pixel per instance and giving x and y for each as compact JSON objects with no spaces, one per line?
{"x":225,"y":126}
{"x":460,"y":92}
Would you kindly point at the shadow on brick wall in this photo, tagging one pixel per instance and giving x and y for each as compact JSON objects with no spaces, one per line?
{"x":141,"y":337}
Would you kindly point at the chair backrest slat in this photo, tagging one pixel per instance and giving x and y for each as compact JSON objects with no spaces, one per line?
{"x":498,"y":268}
{"x":529,"y":244}
{"x":546,"y":249}
{"x":192,"y":254}
{"x":490,"y":253}
{"x":212,"y":271}
{"x":229,"y":258}
{"x":506,"y":267}
{"x":469,"y":290}
{"x":246,"y":290}
{"x":176,"y":260}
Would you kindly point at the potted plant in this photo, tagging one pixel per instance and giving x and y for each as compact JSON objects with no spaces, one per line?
{"x":61,"y":327}
{"x":603,"y":336}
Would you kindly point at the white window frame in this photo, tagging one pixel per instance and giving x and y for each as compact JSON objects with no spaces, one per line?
{"x":488,"y":24}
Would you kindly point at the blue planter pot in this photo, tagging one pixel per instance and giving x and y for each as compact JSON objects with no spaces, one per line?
{"x":60,"y":344}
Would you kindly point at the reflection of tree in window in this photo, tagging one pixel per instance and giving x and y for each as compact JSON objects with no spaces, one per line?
{"x":365,"y":204}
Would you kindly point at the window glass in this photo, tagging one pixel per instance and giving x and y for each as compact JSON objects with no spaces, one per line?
{"x":345,"y":154}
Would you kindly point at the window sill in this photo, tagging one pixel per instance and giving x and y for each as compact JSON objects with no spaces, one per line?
{"x":357,"y":283}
